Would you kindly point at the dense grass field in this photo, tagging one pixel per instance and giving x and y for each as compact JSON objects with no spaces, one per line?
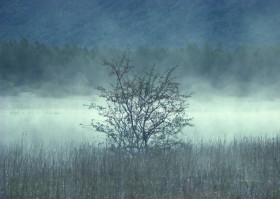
{"x":239,"y":168}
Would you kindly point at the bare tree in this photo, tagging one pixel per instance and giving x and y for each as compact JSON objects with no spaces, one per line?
{"x":143,"y":110}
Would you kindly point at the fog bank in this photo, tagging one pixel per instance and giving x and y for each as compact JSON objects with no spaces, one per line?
{"x":58,"y":120}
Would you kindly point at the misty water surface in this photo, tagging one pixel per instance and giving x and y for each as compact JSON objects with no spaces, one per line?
{"x":58,"y":120}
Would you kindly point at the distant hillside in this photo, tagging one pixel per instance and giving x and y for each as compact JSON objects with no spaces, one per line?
{"x":135,"y":22}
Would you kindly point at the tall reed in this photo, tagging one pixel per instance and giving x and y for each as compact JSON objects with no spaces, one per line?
{"x":240,"y":168}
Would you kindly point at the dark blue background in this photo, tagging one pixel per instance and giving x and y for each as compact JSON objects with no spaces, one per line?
{"x":134,"y":22}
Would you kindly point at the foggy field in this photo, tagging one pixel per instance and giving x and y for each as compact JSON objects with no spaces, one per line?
{"x":240,"y":168}
{"x":233,"y":151}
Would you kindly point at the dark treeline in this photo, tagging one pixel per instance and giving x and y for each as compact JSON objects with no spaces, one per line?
{"x":26,"y":66}
{"x":55,"y":70}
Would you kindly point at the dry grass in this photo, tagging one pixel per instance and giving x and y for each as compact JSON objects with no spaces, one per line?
{"x":245,"y":168}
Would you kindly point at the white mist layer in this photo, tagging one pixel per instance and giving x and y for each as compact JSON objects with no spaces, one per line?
{"x":58,"y":120}
{"x":235,"y":117}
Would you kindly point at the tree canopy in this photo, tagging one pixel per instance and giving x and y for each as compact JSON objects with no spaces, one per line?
{"x":143,"y":110}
